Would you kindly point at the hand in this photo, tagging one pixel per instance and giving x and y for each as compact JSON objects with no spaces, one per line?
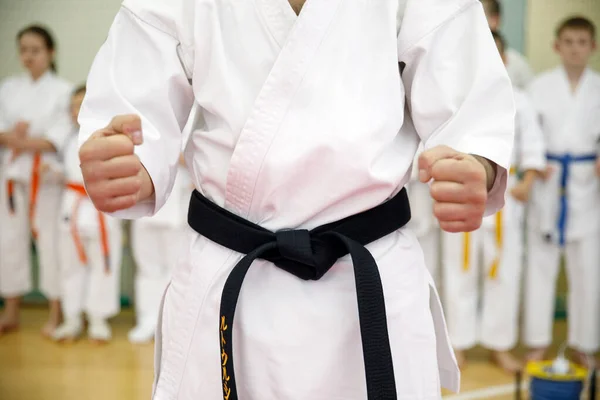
{"x":598,"y":167}
{"x":44,"y":169}
{"x":521,"y":192}
{"x":459,"y":187}
{"x":114,"y":176}
{"x":547,"y":173}
{"x":21,"y":129}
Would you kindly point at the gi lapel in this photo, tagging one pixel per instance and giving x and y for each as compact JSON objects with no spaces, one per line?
{"x":274,"y":100}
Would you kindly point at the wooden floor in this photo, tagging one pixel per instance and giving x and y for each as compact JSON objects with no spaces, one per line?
{"x":33,"y":368}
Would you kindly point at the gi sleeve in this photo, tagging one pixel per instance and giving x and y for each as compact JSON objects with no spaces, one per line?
{"x":139,"y":70}
{"x":531,"y":139}
{"x":457,"y":88}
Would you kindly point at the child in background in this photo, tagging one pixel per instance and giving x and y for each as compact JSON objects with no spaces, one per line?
{"x":90,"y":251}
{"x":155,"y":243}
{"x":565,"y":217}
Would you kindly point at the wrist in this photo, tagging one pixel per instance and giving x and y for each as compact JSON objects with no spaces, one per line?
{"x":146,"y":192}
{"x":491,"y":169}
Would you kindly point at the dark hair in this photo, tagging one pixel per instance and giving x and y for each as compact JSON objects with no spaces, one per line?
{"x":577,"y":23}
{"x":493,"y":7}
{"x":45,"y":35}
{"x":79,"y":89}
{"x":500,"y":39}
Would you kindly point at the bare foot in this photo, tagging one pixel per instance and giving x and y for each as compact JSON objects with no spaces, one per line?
{"x":585,"y":360}
{"x":49,"y":328}
{"x":461,"y":358}
{"x":536,"y":354}
{"x":506,"y":361}
{"x":8,"y":324}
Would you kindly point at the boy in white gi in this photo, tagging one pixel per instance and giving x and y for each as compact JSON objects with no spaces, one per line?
{"x":565,"y":216}
{"x":90,"y":252}
{"x":303,"y":126}
{"x":500,"y":239}
{"x":156,"y":243}
{"x":518,"y":68}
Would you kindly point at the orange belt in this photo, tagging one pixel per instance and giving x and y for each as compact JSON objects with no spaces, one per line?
{"x":33,"y":190}
{"x":80,"y":189}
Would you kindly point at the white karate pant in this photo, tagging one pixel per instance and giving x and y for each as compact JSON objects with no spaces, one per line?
{"x":89,"y":288}
{"x":155,"y":249}
{"x":15,"y":241}
{"x":487,"y":315}
{"x":582,"y":258}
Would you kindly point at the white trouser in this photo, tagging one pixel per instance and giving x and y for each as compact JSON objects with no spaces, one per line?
{"x":90,"y":288}
{"x":582,"y":260}
{"x":46,"y":224}
{"x":490,"y":317}
{"x":15,"y":243}
{"x":155,"y":249}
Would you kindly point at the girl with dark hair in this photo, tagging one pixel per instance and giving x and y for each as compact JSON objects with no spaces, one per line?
{"x":32,"y":106}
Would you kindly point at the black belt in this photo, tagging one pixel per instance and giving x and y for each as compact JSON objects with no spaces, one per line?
{"x":309,"y":255}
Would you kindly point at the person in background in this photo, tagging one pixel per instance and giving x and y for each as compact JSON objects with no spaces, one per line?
{"x":500,"y":239}
{"x":90,"y":250}
{"x":518,"y":68}
{"x":156,"y":243}
{"x":32,"y":106}
{"x":565,"y":216}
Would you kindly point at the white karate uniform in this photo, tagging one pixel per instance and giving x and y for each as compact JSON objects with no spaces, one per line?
{"x":44,"y":104}
{"x":303,"y":125}
{"x":87,"y":286}
{"x":156,"y":243}
{"x":490,"y":316}
{"x":570,"y":123}
{"x":519,"y":71}
{"x":423,"y":222}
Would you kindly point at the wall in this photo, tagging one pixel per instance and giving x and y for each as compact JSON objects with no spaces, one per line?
{"x":542,"y":18}
{"x":79,"y":27}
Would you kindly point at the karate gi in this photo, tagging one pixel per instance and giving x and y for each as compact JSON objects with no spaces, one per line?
{"x":423,"y":222}
{"x":303,"y":125}
{"x":44,"y":104}
{"x":90,"y":255}
{"x":493,"y":320}
{"x":156,"y":243}
{"x":571,"y":126}
{"x":519,"y":71}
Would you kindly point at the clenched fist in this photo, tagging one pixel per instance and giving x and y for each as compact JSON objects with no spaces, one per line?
{"x":115,"y":179}
{"x":459,"y":188}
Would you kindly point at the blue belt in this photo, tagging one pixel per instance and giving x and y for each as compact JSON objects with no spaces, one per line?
{"x":565,"y":161}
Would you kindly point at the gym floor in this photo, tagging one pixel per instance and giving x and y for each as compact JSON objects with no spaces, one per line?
{"x":34,"y":368}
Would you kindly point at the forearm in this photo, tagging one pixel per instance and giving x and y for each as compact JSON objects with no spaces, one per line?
{"x":491,"y":169}
{"x":530,"y":176}
{"x":35,"y":145}
{"x":4,"y":139}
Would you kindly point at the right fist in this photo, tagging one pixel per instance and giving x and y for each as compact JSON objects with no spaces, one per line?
{"x":114,"y":177}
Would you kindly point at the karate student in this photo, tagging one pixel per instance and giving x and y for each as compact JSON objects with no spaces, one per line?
{"x":90,"y":251}
{"x":302,"y":126}
{"x":499,"y":240}
{"x":518,"y":67}
{"x":31,"y":106}
{"x":565,"y":217}
{"x":155,"y":243}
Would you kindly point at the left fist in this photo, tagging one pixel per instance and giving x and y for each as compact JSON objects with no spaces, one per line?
{"x":459,"y":188}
